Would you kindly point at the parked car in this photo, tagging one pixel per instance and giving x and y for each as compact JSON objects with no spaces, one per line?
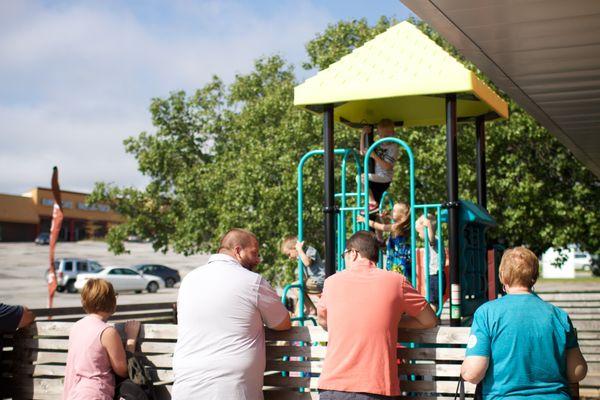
{"x":67,"y":270}
{"x":595,"y":265}
{"x":169,"y":275}
{"x":124,"y":279}
{"x":43,"y":238}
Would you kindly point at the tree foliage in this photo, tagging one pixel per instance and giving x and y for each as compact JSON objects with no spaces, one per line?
{"x":227,"y":156}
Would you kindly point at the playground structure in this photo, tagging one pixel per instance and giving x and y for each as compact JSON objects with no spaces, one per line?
{"x":414,"y":83}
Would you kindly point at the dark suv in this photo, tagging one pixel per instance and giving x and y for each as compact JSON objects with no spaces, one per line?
{"x":169,"y":275}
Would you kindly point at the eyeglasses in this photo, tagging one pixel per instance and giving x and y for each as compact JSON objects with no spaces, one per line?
{"x":347,"y":251}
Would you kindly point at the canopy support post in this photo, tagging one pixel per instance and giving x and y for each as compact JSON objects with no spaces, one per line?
{"x":481,"y":168}
{"x":453,"y":204}
{"x":329,"y":208}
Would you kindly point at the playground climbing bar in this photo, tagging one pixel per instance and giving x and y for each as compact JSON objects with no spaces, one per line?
{"x":329,"y":203}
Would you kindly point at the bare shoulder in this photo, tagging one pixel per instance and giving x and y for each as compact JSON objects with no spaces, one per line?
{"x":110,"y":335}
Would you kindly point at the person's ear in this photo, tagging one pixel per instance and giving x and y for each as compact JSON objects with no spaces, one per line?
{"x":237,"y":250}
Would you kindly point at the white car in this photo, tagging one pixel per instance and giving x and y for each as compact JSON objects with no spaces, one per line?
{"x":124,"y":279}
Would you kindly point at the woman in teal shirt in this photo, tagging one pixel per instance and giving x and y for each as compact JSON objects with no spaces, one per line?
{"x":519,"y":345}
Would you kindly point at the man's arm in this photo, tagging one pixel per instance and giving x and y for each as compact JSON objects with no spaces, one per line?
{"x":473,"y":368}
{"x":424,"y":320}
{"x":576,"y":365}
{"x":283,"y":325}
{"x":26,"y":318}
{"x":273,"y":313}
{"x":322,"y":317}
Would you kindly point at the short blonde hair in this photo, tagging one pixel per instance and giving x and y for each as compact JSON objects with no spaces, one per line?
{"x":519,"y":266}
{"x":288,"y":243}
{"x":98,"y":295}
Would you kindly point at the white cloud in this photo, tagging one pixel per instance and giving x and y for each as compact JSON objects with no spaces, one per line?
{"x":77,"y":78}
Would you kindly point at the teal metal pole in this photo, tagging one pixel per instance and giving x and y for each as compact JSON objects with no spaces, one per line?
{"x":300,"y":186}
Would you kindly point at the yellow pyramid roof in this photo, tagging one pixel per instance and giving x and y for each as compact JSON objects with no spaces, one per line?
{"x":403,"y":75}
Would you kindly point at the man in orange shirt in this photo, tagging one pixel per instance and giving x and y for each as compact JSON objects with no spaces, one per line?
{"x":362,"y":308}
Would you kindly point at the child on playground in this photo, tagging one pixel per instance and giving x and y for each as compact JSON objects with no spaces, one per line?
{"x":385,"y":156}
{"x":314,"y":266}
{"x":428,"y":221}
{"x":398,"y":244}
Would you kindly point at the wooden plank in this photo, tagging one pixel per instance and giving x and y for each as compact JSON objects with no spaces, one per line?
{"x":580,"y":296}
{"x":432,"y":354}
{"x":41,"y":370}
{"x":44,"y":344}
{"x":440,"y":387}
{"x":164,"y":361}
{"x":43,"y":312}
{"x":584,"y":317}
{"x":274,"y":352}
{"x":588,"y":335}
{"x":300,"y":366}
{"x":290,"y":382}
{"x":589,"y":393}
{"x":595,"y":349}
{"x":62,"y":344}
{"x":39,"y":388}
{"x":43,"y":357}
{"x":48,"y":328}
{"x":147,"y":317}
{"x":441,"y":370}
{"x":587,"y":325}
{"x":589,"y":343}
{"x":440,"y":334}
{"x":159,"y":331}
{"x":157,"y":347}
{"x":298,"y":333}
{"x":590,"y":381}
{"x":62,"y":329}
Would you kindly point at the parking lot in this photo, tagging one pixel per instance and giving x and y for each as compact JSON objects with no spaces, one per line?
{"x":24,"y":266}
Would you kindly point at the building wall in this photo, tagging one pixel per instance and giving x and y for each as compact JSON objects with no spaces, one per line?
{"x":15,"y":232}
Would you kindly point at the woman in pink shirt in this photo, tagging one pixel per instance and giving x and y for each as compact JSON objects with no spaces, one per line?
{"x":96,"y":352}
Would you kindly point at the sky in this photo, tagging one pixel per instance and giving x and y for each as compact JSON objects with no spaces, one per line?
{"x":77,"y":77}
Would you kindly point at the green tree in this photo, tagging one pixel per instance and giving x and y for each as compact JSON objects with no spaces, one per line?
{"x":227,"y":157}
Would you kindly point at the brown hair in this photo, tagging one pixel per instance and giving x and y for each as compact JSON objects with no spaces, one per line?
{"x":400,"y":227}
{"x":519,"y":266}
{"x":365,"y":244}
{"x":288,"y":243}
{"x":98,"y":295}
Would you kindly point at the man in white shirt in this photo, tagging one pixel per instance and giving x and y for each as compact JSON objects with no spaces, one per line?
{"x":222,"y":306}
